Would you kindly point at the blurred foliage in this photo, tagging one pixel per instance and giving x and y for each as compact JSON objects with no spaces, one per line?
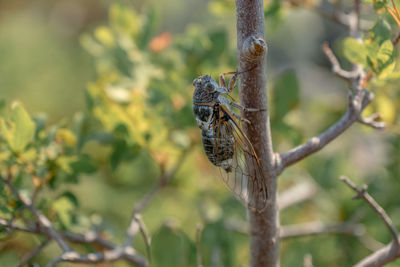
{"x":139,"y":125}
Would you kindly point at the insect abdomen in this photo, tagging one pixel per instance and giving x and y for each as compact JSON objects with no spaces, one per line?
{"x":219,"y":145}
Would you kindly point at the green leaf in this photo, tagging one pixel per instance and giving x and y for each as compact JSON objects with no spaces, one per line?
{"x":71,"y":197}
{"x":388,"y":71}
{"x":181,"y":250}
{"x":122,"y":151}
{"x":83,"y":165}
{"x":285,"y":94}
{"x":216,"y":238}
{"x":380,"y":32}
{"x":64,"y":208}
{"x":105,"y":36}
{"x":148,"y":28}
{"x":23,"y":128}
{"x":379,"y":4}
{"x":124,"y":19}
{"x":355,"y":51}
{"x":121,"y":61}
{"x":3,"y":108}
{"x":272,"y":9}
{"x":385,"y":54}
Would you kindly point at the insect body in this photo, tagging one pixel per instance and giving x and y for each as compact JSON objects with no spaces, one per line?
{"x":224,"y":142}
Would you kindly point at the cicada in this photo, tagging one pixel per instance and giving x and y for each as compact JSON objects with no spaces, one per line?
{"x":225,"y":143}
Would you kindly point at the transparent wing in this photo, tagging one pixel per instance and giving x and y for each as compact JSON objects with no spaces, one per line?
{"x":228,"y":147}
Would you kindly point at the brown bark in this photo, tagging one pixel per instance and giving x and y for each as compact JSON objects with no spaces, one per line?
{"x":264,"y":226}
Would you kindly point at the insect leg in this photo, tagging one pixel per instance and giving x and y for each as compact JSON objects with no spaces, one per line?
{"x":222,"y":82}
{"x":233,"y":80}
{"x":240,"y":118}
{"x":233,"y":114}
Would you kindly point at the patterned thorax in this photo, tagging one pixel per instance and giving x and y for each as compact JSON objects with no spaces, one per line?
{"x":205,"y":94}
{"x":205,"y":90}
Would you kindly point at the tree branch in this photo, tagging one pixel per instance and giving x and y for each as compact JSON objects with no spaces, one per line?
{"x":388,"y":253}
{"x":264,"y":236}
{"x":43,"y":221}
{"x":358,"y":100}
{"x":313,"y":229}
{"x":316,"y":143}
{"x":87,"y":238}
{"x":336,"y":68}
{"x":33,"y":253}
{"x":362,"y":193}
{"x":381,"y":257}
{"x":164,"y":180}
{"x":320,"y":228}
{"x":114,"y":252}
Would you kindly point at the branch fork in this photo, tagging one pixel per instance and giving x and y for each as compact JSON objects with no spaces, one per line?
{"x":391,"y":251}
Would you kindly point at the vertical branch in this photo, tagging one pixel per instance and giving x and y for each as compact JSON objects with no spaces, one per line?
{"x":264,"y":233}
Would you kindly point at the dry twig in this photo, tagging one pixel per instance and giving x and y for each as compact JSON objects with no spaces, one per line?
{"x":388,"y":253}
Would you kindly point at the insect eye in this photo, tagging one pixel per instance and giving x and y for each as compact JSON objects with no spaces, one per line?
{"x":209,"y":87}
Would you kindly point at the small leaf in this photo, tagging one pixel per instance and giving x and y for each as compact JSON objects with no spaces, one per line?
{"x":355,"y":51}
{"x":385,"y":54}
{"x":181,"y":250}
{"x":71,"y":197}
{"x":148,"y":28}
{"x":379,"y":4}
{"x":387,"y":72}
{"x":124,"y":19}
{"x":66,"y":137}
{"x":64,"y":209}
{"x":121,"y":61}
{"x":386,"y":108}
{"x":83,"y":165}
{"x":380,"y":32}
{"x":105,"y":36}
{"x":23,"y":128}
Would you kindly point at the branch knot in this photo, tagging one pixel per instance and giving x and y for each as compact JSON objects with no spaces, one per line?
{"x":254,"y":49}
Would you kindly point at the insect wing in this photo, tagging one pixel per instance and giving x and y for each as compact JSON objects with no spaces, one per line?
{"x":245,"y":175}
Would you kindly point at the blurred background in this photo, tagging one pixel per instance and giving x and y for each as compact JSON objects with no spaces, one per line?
{"x":124,"y":70}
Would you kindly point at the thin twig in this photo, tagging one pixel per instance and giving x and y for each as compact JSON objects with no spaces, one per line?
{"x":43,"y":221}
{"x":316,"y":143}
{"x":87,"y":238}
{"x":372,"y":121}
{"x":164,"y":180}
{"x":381,"y":257}
{"x":319,"y":228}
{"x":28,"y":257}
{"x":313,"y":229}
{"x":358,"y":99}
{"x":115,"y":254}
{"x":362,"y":193}
{"x":336,"y":68}
{"x":145,"y":235}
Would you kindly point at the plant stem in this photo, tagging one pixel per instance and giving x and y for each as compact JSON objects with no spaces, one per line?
{"x":264,"y":226}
